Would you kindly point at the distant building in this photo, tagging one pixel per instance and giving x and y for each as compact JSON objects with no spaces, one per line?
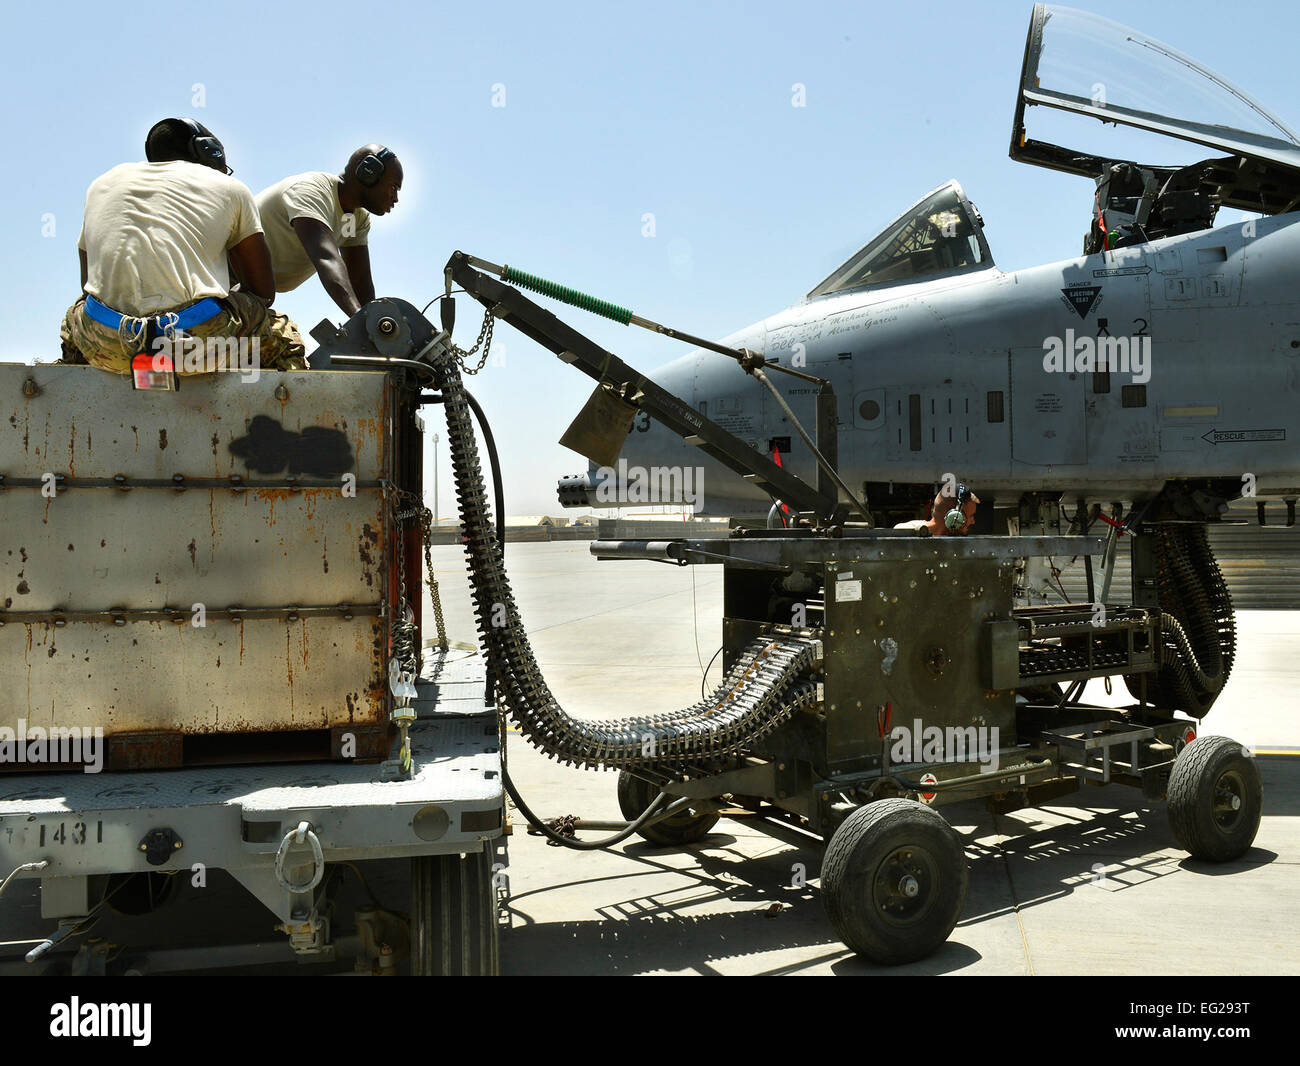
{"x":536,"y":520}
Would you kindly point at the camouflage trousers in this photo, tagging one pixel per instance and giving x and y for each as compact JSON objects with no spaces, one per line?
{"x":267,"y":340}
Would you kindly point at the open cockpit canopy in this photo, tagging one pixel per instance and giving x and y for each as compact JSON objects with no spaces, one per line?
{"x":1081,"y":63}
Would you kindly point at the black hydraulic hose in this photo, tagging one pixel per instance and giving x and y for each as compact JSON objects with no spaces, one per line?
{"x":571,"y":842}
{"x":498,"y":490}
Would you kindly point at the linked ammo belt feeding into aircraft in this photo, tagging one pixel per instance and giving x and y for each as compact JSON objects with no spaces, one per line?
{"x":768,"y":684}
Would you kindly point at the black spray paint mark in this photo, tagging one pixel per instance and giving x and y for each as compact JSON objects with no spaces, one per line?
{"x":269,"y":448}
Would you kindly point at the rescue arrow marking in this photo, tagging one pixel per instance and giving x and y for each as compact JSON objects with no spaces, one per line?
{"x":1242,"y":436}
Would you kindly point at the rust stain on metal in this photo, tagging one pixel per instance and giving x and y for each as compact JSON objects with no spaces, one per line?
{"x":145,"y":750}
{"x":270,"y":497}
{"x":192,"y":550}
{"x":137,"y":437}
{"x":288,"y":663}
{"x":216,"y":440}
{"x":365,"y":549}
{"x":23,"y":588}
{"x":162,"y":440}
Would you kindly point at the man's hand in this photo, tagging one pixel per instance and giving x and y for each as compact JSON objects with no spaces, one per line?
{"x":323,"y":251}
{"x":356,"y":257}
{"x":251,"y":260}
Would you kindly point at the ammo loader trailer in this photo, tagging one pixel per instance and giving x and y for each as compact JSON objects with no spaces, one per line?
{"x":839,"y":637}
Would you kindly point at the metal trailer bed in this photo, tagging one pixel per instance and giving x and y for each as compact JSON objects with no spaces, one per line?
{"x":247,"y":819}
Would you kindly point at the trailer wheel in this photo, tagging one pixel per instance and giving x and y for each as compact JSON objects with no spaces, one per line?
{"x":453,"y":916}
{"x":894,"y":880}
{"x":636,"y":794}
{"x":1215,"y":799}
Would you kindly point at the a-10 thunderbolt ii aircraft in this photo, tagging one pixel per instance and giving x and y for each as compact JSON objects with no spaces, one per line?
{"x":1145,"y":383}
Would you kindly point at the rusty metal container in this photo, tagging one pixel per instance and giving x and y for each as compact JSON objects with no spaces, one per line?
{"x":206,"y":575}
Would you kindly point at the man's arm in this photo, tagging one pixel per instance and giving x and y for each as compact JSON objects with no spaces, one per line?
{"x":323,"y":250}
{"x":356,"y":257}
{"x":85,"y":268}
{"x":251,"y":259}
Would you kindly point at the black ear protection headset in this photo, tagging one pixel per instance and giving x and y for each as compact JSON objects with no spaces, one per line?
{"x":370,"y":168}
{"x":203,"y":147}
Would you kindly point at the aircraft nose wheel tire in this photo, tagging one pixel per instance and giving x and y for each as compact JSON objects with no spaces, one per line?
{"x":454,"y":916}
{"x":636,"y":794}
{"x":1215,"y":799}
{"x":894,"y":881}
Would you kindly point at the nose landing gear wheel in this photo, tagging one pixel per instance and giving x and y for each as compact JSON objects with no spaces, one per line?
{"x":894,"y":881}
{"x":1215,"y":799}
{"x":635,"y":795}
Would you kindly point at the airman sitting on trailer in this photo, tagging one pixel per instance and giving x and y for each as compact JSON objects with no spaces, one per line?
{"x":162,"y":246}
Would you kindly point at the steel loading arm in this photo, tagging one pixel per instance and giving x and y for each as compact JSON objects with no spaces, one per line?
{"x":510,"y":305}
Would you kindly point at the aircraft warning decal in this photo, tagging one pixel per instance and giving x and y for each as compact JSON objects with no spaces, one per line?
{"x":1240,"y":436}
{"x":1082,"y":298}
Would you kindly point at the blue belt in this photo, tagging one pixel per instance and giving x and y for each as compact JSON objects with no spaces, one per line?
{"x":194,"y":315}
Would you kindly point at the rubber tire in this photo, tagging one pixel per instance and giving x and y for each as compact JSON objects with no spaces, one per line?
{"x":1196,"y":772}
{"x":636,"y":794}
{"x":865,"y":840}
{"x":454,"y":916}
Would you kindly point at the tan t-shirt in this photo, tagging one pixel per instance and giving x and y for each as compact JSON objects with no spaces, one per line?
{"x":311,"y":195}
{"x":156,"y":234}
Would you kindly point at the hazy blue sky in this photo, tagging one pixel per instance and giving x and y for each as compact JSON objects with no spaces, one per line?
{"x":683,"y":110}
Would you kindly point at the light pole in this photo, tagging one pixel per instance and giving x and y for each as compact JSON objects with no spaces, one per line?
{"x":436,"y":519}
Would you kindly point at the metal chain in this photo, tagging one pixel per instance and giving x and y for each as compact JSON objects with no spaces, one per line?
{"x":484,"y":340}
{"x":406,"y":635}
{"x":566,"y":826}
{"x":415,"y":509}
{"x":426,"y":535}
